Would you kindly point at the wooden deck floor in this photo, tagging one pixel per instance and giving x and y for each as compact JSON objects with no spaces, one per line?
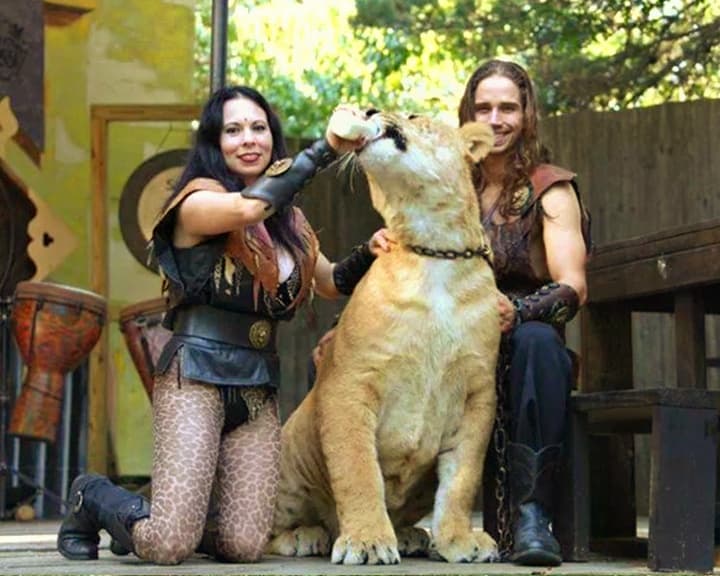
{"x":29,"y":549}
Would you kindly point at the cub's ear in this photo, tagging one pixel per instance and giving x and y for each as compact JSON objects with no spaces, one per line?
{"x":478,"y":138}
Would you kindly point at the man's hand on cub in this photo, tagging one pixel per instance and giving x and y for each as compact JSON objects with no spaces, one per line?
{"x":381,"y":241}
{"x":507,"y":312}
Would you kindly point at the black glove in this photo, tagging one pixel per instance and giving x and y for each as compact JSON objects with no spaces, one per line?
{"x":348,"y":272}
{"x":284,"y":178}
{"x":553,"y":303}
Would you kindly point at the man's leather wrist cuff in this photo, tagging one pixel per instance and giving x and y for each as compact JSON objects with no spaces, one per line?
{"x":553,"y":303}
{"x":285,"y":178}
{"x":348,"y":272}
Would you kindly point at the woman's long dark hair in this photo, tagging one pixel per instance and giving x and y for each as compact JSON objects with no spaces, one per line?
{"x":206,"y":160}
{"x":528,"y":152}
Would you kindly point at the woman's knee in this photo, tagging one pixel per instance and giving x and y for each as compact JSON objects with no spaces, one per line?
{"x":243,"y":550}
{"x":170,"y":552}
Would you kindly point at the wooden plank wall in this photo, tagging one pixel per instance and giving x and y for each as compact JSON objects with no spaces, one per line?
{"x":640,"y":171}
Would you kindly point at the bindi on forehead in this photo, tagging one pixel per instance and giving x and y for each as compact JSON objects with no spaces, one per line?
{"x":244,"y":120}
{"x":243,"y":109}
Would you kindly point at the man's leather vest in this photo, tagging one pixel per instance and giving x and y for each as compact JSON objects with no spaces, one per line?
{"x":520,"y":266}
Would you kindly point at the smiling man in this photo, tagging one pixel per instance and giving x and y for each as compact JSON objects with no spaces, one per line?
{"x":540,"y":237}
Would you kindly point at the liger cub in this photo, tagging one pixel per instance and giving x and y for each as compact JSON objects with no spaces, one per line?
{"x":401,"y":414}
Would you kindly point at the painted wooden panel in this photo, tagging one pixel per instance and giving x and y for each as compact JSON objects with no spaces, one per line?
{"x":22,"y":64}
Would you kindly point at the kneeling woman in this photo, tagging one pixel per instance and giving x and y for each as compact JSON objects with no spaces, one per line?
{"x":234,"y":264}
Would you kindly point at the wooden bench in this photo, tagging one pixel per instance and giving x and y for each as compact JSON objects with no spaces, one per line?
{"x":683,"y":425}
{"x":678,"y":272}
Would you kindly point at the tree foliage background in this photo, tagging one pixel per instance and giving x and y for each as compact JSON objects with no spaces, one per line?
{"x":415,"y":55}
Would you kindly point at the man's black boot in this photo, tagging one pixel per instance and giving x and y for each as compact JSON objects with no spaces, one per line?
{"x":97,"y":503}
{"x":531,"y":487}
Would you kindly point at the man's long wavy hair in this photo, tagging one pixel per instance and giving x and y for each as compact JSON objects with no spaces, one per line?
{"x":206,"y":160}
{"x":527,"y":152}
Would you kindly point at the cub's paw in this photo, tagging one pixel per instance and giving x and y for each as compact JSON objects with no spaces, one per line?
{"x":350,"y":550}
{"x":413,"y":541}
{"x":303,"y":541}
{"x":470,"y":547}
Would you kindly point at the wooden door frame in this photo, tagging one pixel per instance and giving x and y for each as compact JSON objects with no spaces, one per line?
{"x":101,"y":116}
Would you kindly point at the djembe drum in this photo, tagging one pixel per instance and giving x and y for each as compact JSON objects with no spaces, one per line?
{"x":55,"y":327}
{"x":145,"y":337}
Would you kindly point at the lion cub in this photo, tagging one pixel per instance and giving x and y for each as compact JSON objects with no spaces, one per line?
{"x":401,"y":414}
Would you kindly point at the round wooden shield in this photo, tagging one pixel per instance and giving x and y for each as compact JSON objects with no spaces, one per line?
{"x":143,"y":197}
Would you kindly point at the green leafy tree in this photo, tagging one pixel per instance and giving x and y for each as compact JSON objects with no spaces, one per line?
{"x":415,"y":55}
{"x":307,"y":57}
{"x":599,"y":54}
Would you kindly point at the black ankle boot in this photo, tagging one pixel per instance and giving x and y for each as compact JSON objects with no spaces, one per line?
{"x":78,"y":538}
{"x":531,"y":486}
{"x":97,"y":503}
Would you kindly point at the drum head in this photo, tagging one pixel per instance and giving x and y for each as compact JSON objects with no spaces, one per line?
{"x":143,"y":197}
{"x":154,"y":307}
{"x":60,"y":294}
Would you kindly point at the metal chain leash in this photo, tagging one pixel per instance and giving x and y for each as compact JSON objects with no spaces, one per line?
{"x":467,"y":254}
{"x":502,"y":512}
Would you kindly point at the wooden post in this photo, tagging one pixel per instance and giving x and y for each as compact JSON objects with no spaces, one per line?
{"x":690,"y":339}
{"x":607,"y":365}
{"x":571,"y":521}
{"x":100,"y":118}
{"x":682,"y":498}
{"x":97,"y":413}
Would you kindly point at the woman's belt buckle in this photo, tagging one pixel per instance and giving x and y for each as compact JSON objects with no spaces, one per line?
{"x":260,"y":333}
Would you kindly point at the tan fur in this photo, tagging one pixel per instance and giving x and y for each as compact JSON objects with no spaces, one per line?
{"x":400,"y":416}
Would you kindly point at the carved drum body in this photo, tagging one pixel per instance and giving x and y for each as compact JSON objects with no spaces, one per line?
{"x":145,"y":337}
{"x":55,"y":328}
